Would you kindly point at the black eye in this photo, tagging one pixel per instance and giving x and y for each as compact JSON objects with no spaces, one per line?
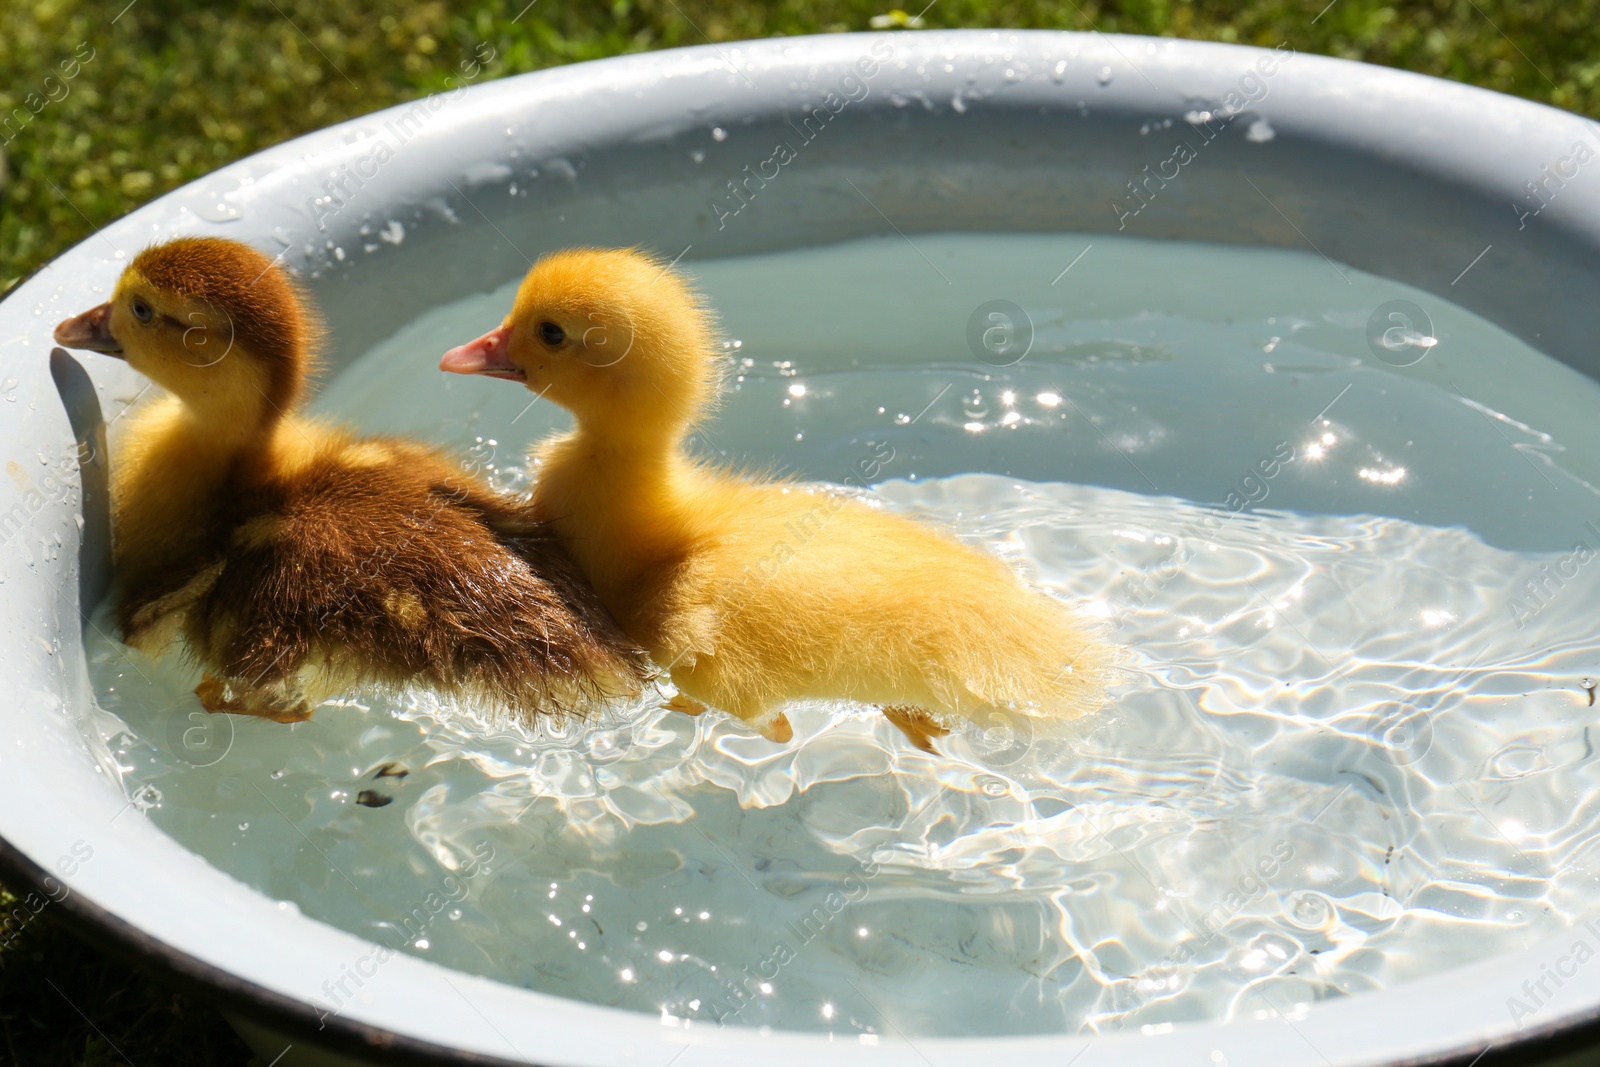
{"x":551,"y":334}
{"x":141,"y":310}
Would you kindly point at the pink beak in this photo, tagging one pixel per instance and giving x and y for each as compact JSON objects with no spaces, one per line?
{"x":488,"y":355}
{"x":90,"y":330}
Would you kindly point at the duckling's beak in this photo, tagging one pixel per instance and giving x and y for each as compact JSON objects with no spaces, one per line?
{"x":487,"y":355}
{"x":91,"y":330}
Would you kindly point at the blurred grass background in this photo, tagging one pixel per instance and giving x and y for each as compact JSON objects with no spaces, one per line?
{"x":104,"y":106}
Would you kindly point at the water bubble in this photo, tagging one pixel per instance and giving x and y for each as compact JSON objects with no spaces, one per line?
{"x":1400,"y":333}
{"x":1004,"y":738}
{"x":1401,"y":733}
{"x":995,"y":787}
{"x":973,"y":405}
{"x":1309,"y":910}
{"x":1061,"y":69}
{"x":1105,"y":76}
{"x":198,"y":737}
{"x":215,"y":208}
{"x":999,"y":333}
{"x":146,"y":797}
{"x":719,"y":134}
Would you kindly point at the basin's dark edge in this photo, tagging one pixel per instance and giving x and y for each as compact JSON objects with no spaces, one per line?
{"x":293,"y":1018}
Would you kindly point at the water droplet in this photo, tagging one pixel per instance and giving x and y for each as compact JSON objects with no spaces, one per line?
{"x":1260,"y":132}
{"x":216,"y":208}
{"x":973,"y":406}
{"x":1105,"y":76}
{"x":719,"y":134}
{"x":995,"y":787}
{"x":455,"y":913}
{"x":1061,"y":69}
{"x":244,"y":826}
{"x":1309,"y":910}
{"x":146,"y":797}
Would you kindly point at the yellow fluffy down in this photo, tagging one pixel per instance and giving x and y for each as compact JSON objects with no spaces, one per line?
{"x":752,"y":592}
{"x":802,"y":593}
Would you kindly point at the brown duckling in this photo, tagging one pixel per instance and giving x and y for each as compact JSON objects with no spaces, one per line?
{"x":297,"y":560}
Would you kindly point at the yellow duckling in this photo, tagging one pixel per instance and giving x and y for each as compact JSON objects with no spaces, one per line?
{"x":752,"y":592}
{"x":297,"y":560}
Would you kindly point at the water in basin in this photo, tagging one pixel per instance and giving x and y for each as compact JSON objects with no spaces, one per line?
{"x":1349,"y":552}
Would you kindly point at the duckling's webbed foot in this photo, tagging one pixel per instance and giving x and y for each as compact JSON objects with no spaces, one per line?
{"x":217,"y":697}
{"x":918,"y":726}
{"x":214,"y":696}
{"x":686,"y":704}
{"x":776,"y":729}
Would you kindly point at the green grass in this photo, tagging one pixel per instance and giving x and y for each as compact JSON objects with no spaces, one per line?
{"x":164,"y":91}
{"x":172,"y":89}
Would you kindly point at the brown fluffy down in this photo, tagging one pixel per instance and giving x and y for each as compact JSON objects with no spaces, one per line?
{"x":403,"y":572}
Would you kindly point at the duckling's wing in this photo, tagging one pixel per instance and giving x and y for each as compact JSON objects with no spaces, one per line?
{"x":388,"y":575}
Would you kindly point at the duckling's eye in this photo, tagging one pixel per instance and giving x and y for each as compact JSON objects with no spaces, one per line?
{"x":142,"y":311}
{"x":551,"y":334}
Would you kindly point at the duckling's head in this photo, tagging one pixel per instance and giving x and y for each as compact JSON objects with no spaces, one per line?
{"x":614,"y":335}
{"x":214,"y":322}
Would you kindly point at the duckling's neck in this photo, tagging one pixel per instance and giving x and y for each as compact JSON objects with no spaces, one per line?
{"x":617,"y":498}
{"x":175,"y":476}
